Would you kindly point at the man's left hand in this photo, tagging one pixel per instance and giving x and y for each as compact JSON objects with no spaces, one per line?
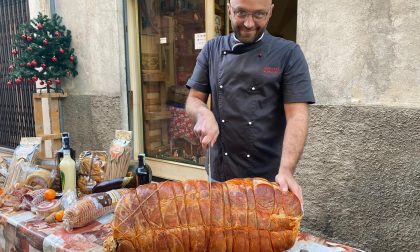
{"x":288,"y":183}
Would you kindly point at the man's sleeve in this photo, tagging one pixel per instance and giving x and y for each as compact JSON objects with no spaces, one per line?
{"x":199,"y":79}
{"x":297,"y":86}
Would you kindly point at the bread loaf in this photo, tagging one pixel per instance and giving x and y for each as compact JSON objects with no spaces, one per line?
{"x":237,"y":215}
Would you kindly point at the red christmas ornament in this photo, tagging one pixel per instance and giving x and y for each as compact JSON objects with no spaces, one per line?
{"x":41,"y":83}
{"x":43,"y":65}
{"x":19,"y":80}
{"x":30,"y":81}
{"x":29,"y":64}
{"x":14,"y":52}
{"x":39,"y":26}
{"x":34,"y":63}
{"x":29,"y":38}
{"x":71,"y":58}
{"x":9,"y":82}
{"x":57,"y":81}
{"x":54,"y":59}
{"x":57,"y":34}
{"x":45,"y":42}
{"x":23,"y":36}
{"x":49,"y":82}
{"x":11,"y":67}
{"x":34,"y":78}
{"x":61,"y":50}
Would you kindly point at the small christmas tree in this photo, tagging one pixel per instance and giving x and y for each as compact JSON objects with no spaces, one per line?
{"x":41,"y":52}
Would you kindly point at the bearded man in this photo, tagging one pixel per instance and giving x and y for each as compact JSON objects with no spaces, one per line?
{"x":260,"y":90}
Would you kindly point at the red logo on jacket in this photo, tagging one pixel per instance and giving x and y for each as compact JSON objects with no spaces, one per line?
{"x":271,"y":70}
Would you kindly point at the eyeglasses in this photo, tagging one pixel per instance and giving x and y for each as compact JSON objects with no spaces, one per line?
{"x":257,"y":16}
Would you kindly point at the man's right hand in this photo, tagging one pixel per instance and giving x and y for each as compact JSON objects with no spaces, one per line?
{"x":206,"y":127}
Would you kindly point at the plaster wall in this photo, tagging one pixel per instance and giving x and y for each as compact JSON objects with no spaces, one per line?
{"x":360,"y":171}
{"x":362,"y":52}
{"x":98,"y":94}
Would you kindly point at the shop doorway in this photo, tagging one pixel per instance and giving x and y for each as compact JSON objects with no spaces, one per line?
{"x":170,"y":36}
{"x":284,"y":19}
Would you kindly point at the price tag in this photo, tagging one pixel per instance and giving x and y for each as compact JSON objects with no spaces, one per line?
{"x":200,"y":40}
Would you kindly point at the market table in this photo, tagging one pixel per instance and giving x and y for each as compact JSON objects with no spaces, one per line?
{"x":23,"y":231}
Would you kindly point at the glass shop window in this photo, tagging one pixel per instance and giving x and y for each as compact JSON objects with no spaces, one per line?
{"x":171,"y":36}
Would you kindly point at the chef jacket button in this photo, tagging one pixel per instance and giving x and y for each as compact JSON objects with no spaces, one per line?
{"x":221,"y":86}
{"x":250,"y":123}
{"x":226,"y":153}
{"x":248,"y":156}
{"x":253,"y":88}
{"x":223,"y":121}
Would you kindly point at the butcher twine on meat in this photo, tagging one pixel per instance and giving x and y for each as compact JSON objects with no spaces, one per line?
{"x":236,"y":215}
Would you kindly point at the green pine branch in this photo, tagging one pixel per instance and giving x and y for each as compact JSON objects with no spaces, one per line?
{"x":42,"y":51}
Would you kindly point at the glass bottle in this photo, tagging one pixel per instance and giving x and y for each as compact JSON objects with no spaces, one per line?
{"x":143,"y":171}
{"x":67,"y":168}
{"x":59,"y":153}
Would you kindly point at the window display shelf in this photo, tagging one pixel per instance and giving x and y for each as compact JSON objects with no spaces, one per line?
{"x":154,"y":116}
{"x":153,"y":76}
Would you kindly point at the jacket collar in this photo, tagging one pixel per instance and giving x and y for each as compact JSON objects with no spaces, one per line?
{"x":239,"y":47}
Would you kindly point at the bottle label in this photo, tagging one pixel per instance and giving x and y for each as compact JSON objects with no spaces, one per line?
{"x":63,"y":179}
{"x":141,"y":170}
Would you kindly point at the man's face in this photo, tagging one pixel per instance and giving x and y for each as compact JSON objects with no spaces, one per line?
{"x":249,"y":18}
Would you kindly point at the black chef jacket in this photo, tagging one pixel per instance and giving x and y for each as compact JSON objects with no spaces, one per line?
{"x":249,"y":83}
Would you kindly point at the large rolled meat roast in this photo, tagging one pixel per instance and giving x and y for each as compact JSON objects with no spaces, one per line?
{"x":236,"y":215}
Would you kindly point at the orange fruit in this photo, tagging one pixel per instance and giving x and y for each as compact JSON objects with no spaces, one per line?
{"x":59,"y":215}
{"x":50,"y":194}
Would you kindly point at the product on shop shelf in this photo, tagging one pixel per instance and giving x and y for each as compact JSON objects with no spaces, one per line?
{"x":253,"y":214}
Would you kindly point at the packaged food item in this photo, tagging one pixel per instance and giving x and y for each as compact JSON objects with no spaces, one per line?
{"x":26,"y":152}
{"x":68,"y":199}
{"x":45,"y":208}
{"x":14,"y":197}
{"x":32,"y":199}
{"x":40,"y":178}
{"x":91,"y":207}
{"x":119,"y":155}
{"x":92,"y":166}
{"x":3,"y":171}
{"x":56,"y":180}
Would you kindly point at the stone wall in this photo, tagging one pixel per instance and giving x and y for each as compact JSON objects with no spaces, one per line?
{"x":360,"y":172}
